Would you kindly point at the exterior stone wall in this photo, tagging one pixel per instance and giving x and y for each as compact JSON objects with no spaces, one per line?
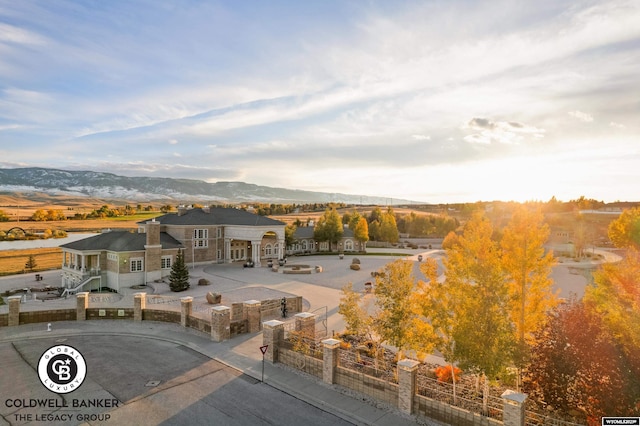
{"x":271,"y":308}
{"x":109,"y":313}
{"x":368,"y":385}
{"x":402,"y":395}
{"x":199,"y":324}
{"x":450,"y":414}
{"x":34,"y":317}
{"x":302,"y":362}
{"x":162,"y":316}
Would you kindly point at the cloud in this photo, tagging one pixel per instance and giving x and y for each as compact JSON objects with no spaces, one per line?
{"x":582,"y":116}
{"x":617,"y":125}
{"x":15,"y":35}
{"x":173,"y":141}
{"x":421,"y":137}
{"x":502,"y":132}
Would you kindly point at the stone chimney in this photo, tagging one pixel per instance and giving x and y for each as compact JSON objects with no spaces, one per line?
{"x":153,"y":233}
{"x":182,"y":209}
{"x":206,"y":209}
{"x":153,"y":251}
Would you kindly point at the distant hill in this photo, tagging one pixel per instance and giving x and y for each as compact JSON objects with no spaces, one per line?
{"x":146,"y":189}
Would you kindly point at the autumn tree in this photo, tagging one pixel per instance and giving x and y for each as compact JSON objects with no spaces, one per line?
{"x":3,"y":216}
{"x":39,"y":215}
{"x":329,"y":228}
{"x":477,"y":304}
{"x":394,"y":291}
{"x":361,"y":232}
{"x":615,"y":297}
{"x":528,"y":271}
{"x":625,"y":230}
{"x":388,"y":227}
{"x":358,"y":321}
{"x":577,"y":364}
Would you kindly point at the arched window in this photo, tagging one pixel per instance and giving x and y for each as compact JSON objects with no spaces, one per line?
{"x":267,"y":250}
{"x":348,"y":245}
{"x":304,"y":244}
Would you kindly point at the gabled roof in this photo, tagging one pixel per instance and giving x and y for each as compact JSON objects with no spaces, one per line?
{"x":121,"y":241}
{"x":216,"y":216}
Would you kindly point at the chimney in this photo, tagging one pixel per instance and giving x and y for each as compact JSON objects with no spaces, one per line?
{"x":206,"y":209}
{"x":182,"y":209}
{"x":153,"y":233}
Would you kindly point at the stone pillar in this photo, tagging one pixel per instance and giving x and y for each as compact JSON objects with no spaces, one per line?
{"x":256,"y":252}
{"x":407,"y":369}
{"x":227,"y":250}
{"x":252,"y":315}
{"x":306,"y":324}
{"x":272,"y":334}
{"x":330,"y":359}
{"x":186,"y":306}
{"x":513,"y":408}
{"x":82,"y":303}
{"x":14,"y":310}
{"x":139,"y":305}
{"x":220,"y":323}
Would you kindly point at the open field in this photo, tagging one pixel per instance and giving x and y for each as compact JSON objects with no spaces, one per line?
{"x":13,"y":261}
{"x":72,"y":225}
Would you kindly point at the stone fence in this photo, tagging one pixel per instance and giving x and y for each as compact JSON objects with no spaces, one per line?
{"x":404,"y":394}
{"x":221,"y":322}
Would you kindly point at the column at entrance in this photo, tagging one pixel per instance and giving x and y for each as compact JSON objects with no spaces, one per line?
{"x":255,"y":252}
{"x":281,"y":249}
{"x":227,"y":250}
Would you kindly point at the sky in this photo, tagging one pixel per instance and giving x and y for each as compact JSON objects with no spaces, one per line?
{"x":433,"y":101}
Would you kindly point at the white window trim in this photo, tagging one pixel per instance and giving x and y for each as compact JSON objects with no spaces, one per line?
{"x":136,"y":261}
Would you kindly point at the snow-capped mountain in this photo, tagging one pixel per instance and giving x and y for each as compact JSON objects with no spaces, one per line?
{"x":144,"y":189}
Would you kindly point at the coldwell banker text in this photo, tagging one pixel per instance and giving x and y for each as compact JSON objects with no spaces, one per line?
{"x":57,"y":403}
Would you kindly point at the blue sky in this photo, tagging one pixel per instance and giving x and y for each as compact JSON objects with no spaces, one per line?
{"x":435,"y":101}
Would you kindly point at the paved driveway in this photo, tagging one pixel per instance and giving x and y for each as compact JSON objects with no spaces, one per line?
{"x":153,"y":381}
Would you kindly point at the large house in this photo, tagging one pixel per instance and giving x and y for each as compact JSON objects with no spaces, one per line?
{"x":304,"y":242}
{"x":120,"y":259}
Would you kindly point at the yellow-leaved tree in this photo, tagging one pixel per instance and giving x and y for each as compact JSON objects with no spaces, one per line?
{"x":473,"y":318}
{"x":625,"y":230}
{"x":528,"y":270}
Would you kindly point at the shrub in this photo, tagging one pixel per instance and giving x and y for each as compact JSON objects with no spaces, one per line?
{"x":203,"y":281}
{"x":355,"y":266}
{"x":355,"y":261}
{"x":443,"y":373}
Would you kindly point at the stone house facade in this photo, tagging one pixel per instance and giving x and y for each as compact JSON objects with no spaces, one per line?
{"x":304,"y":243}
{"x":120,"y":259}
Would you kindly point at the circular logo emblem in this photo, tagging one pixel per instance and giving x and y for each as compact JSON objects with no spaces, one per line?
{"x":62,"y":369}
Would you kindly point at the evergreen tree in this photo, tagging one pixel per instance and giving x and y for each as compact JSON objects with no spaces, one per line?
{"x":31,"y":263}
{"x":179,"y":277}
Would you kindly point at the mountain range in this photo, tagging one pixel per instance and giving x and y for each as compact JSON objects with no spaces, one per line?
{"x":146,"y":189}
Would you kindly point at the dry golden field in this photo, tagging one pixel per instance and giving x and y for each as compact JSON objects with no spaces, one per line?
{"x":13,"y":261}
{"x":19,"y":209}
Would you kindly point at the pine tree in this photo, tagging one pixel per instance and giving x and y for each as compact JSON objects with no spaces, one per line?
{"x":31,"y":263}
{"x":179,"y":277}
